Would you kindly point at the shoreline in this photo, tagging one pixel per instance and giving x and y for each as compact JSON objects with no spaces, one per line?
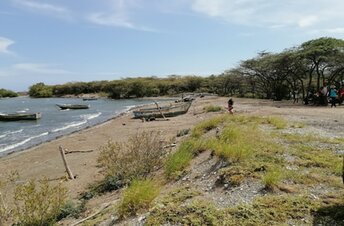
{"x":23,"y":147}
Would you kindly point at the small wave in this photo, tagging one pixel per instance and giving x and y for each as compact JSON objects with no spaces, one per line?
{"x":90,"y":116}
{"x":10,"y":132}
{"x":22,"y":142}
{"x":23,"y":111}
{"x":69,"y":126}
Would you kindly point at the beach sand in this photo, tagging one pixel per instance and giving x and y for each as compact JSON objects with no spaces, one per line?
{"x":45,"y":161}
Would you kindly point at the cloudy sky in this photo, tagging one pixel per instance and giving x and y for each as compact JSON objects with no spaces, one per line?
{"x":56,"y":41}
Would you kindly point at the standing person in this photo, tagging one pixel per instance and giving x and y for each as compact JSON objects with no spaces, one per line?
{"x":296,"y":96}
{"x":230,"y":105}
{"x":333,"y":95}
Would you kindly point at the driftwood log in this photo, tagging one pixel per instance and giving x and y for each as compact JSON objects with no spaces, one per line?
{"x":70,"y":152}
{"x":63,"y":155}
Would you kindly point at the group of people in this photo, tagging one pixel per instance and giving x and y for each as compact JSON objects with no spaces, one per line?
{"x":333,"y":95}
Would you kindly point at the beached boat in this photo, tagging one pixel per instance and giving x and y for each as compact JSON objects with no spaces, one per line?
{"x":73,"y":106}
{"x":20,"y":116}
{"x":163,"y":111}
{"x":89,"y":98}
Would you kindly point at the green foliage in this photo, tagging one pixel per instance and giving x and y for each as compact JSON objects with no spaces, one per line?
{"x":136,"y":158}
{"x":38,"y":203}
{"x":272,"y":177}
{"x":212,"y":108}
{"x":138,"y":197}
{"x":179,"y":160}
{"x":40,"y":90}
{"x":207,"y":125}
{"x":279,"y":123}
{"x":71,"y":209}
{"x":7,"y":93}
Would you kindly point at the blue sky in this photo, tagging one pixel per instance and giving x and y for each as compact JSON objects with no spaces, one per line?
{"x":58,"y":41}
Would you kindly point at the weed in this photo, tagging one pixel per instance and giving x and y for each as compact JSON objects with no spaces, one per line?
{"x":279,"y":123}
{"x":72,"y":209}
{"x":122,"y":162}
{"x":212,"y":108}
{"x":38,"y":203}
{"x":137,"y":197}
{"x":271,"y":178}
{"x":179,"y":160}
{"x":207,"y":125}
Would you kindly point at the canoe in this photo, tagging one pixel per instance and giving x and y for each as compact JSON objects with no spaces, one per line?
{"x":20,"y":116}
{"x":89,"y":98}
{"x":73,"y":106}
{"x":167,"y":111}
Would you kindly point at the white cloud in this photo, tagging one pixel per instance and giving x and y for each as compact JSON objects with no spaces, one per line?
{"x":117,"y":15}
{"x":307,"y":21}
{"x":110,"y":20}
{"x":53,"y":10}
{"x":5,"y":43}
{"x":273,"y":14}
{"x":39,"y":68}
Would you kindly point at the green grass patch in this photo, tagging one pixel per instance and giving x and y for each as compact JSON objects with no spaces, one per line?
{"x":138,"y":197}
{"x":278,"y":122}
{"x":212,"y":108}
{"x":179,"y":160}
{"x":272,"y":178}
{"x":207,"y":125}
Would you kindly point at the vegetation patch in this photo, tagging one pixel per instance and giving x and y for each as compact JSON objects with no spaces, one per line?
{"x":278,"y":122}
{"x":212,"y":108}
{"x":138,"y":197}
{"x":179,"y":160}
{"x":207,"y":125}
{"x":123,"y":162}
{"x":38,"y":203}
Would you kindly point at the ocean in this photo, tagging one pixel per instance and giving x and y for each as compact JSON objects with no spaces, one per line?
{"x":20,"y":135}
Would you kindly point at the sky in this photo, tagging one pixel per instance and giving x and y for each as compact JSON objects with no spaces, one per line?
{"x":59,"y":41}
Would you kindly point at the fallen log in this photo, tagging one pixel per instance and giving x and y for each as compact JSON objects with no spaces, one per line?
{"x":70,"y":152}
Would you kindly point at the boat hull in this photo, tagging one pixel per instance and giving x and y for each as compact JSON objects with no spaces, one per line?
{"x":164,"y":111}
{"x":72,"y":106}
{"x":20,"y":116}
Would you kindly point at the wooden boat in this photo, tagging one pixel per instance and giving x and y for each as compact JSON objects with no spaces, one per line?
{"x":73,"y":106}
{"x":20,"y":116}
{"x":163,"y":111}
{"x":89,"y":98}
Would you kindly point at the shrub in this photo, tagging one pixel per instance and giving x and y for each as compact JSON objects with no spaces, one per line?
{"x":122,"y":162}
{"x":137,"y":197}
{"x":38,"y":203}
{"x":212,"y":108}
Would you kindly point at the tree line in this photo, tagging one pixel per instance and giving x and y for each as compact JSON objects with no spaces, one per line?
{"x":305,"y":68}
{"x":7,"y":93}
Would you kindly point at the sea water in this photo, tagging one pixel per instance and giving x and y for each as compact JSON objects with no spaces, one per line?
{"x":19,"y":135}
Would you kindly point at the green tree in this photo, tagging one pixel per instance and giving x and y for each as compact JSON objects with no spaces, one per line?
{"x":40,"y":90}
{"x":7,"y":93}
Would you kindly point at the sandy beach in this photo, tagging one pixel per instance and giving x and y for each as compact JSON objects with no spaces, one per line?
{"x":45,"y":161}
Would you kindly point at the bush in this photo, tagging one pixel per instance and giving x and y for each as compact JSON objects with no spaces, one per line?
{"x":212,"y":108}
{"x":7,"y":93}
{"x":123,"y":162}
{"x":38,"y":203}
{"x":137,"y":197}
